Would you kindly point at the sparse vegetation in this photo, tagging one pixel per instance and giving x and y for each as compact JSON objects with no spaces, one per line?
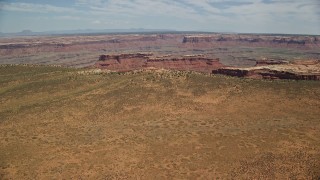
{"x":67,"y":123}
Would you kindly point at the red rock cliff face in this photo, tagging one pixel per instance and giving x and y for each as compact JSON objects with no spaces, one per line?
{"x":266,"y":74}
{"x":254,"y":40}
{"x":297,"y":70}
{"x":128,"y":62}
{"x":26,"y":46}
{"x":29,"y":46}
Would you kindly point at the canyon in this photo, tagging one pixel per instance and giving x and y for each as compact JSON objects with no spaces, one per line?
{"x":307,"y":42}
{"x":83,"y":50}
{"x":202,"y":52}
{"x":160,"y":106}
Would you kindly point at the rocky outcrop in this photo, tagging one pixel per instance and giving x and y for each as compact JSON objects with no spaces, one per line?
{"x":266,"y":74}
{"x":122,"y":62}
{"x":129,"y":62}
{"x":295,"y":70}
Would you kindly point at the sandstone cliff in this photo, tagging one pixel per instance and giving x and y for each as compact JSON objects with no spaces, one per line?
{"x":254,"y":40}
{"x":231,"y":49}
{"x":298,"y":70}
{"x":128,"y":62}
{"x":25,"y":46}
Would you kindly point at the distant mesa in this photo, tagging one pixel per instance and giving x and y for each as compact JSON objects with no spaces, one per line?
{"x":253,"y":40}
{"x":136,"y":61}
{"x":26,"y":32}
{"x":85,"y":31}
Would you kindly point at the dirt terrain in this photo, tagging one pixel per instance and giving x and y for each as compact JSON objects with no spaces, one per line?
{"x":66,"y":123}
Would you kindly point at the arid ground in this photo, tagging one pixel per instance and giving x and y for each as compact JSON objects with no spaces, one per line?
{"x":65,"y":123}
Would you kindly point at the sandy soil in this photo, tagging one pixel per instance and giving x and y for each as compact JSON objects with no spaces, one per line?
{"x":58,"y":123}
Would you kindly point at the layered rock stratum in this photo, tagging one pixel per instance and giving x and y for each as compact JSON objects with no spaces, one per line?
{"x":290,"y":41}
{"x":206,"y":52}
{"x":129,"y":62}
{"x":297,"y":70}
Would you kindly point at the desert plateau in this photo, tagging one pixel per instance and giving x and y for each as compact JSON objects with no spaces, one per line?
{"x":160,"y":106}
{"x":159,"y":89}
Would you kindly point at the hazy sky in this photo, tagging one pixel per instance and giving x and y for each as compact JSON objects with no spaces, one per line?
{"x":259,"y":16}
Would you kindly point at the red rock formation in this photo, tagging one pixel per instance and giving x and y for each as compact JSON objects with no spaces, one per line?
{"x":25,"y":46}
{"x":296,"y":70}
{"x":128,"y":62}
{"x":266,"y":74}
{"x":122,"y":62}
{"x":81,"y":50}
{"x":254,"y":40}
